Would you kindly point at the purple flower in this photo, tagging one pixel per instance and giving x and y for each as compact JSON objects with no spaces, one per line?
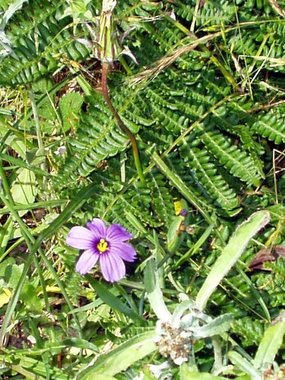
{"x":108,"y":245}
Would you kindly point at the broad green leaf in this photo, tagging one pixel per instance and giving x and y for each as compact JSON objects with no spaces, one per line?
{"x":17,"y":145}
{"x":69,"y":106}
{"x":269,"y":345}
{"x":230,"y":254}
{"x":30,"y":298}
{"x":122,"y":357}
{"x":6,"y":264}
{"x":24,"y":189}
{"x":5,"y":296}
{"x":12,"y":274}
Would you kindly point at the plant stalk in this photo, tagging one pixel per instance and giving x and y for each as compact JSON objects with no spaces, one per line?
{"x":122,"y":126}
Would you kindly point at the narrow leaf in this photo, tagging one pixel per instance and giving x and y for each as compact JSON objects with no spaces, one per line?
{"x":215,"y":327}
{"x":111,"y":300}
{"x":14,"y":7}
{"x":230,"y":254}
{"x":154,"y":292}
{"x":182,"y":187}
{"x":244,"y":365}
{"x":80,"y":343}
{"x":269,"y":345}
{"x":121,"y":357}
{"x":80,"y":198}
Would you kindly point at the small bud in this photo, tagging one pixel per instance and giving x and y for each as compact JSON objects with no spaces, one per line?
{"x":60,"y":150}
{"x":183,"y":212}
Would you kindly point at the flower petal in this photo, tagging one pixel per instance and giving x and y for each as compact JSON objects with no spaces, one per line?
{"x":123,"y":250}
{"x":79,"y":237}
{"x":112,"y":267}
{"x":86,"y":261}
{"x":117,"y":232}
{"x":97,"y":226}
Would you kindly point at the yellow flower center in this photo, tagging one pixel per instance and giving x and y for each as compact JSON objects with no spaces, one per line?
{"x":102,"y":246}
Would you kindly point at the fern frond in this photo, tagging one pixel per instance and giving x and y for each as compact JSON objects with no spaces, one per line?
{"x":273,"y":287}
{"x":222,"y":156}
{"x":271,"y":125}
{"x":98,"y":136}
{"x":162,"y":200}
{"x":231,"y":157}
{"x":205,"y":172}
{"x":249,"y":330}
{"x":261,"y":45}
{"x":135,"y":202}
{"x":41,"y":46}
{"x":255,"y":150}
{"x":211,"y":13}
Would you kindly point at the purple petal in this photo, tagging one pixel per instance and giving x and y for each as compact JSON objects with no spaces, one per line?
{"x":117,"y":232}
{"x":97,"y":226}
{"x":112,"y":267}
{"x":79,"y":237}
{"x":123,"y":250}
{"x":86,"y":261}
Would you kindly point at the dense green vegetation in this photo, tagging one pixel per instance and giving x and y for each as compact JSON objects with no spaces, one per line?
{"x":200,"y":86}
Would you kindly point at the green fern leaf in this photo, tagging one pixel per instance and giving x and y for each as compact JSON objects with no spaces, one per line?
{"x":231,"y":157}
{"x":206,"y":174}
{"x":162,"y":200}
{"x":271,"y":126}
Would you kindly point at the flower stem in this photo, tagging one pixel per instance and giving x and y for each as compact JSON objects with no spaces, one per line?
{"x":122,"y":126}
